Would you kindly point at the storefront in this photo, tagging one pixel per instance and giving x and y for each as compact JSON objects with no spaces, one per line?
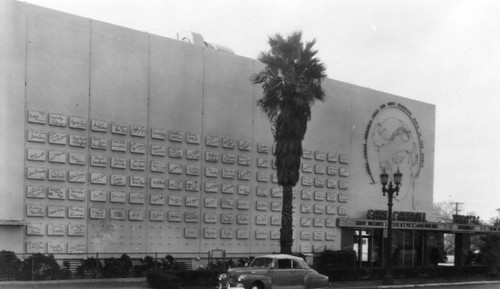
{"x":415,"y":243}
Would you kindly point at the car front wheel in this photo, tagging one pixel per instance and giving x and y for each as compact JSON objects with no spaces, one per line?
{"x":257,"y":285}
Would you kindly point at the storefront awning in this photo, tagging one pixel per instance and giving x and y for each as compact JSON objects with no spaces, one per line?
{"x":423,"y":226}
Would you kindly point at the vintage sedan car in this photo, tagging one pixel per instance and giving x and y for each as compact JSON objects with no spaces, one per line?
{"x":274,"y":272}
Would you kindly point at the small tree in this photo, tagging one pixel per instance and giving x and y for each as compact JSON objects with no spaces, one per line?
{"x":40,"y":267}
{"x":9,"y":264}
{"x":291,"y":83}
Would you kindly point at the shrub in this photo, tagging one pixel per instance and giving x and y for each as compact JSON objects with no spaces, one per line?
{"x":40,"y":267}
{"x":117,"y":267}
{"x":9,"y":265}
{"x":199,"y":277}
{"x":148,"y":264}
{"x":336,"y":259}
{"x":162,"y":280}
{"x":90,"y":268}
{"x":65,"y":271}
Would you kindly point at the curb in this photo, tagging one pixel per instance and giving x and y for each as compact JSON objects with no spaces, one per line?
{"x":424,"y":285}
{"x":73,"y":281}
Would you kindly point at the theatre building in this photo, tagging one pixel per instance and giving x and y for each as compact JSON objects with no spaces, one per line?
{"x":119,"y":141}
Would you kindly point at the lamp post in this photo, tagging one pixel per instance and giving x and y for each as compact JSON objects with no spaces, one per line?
{"x":390,"y":190}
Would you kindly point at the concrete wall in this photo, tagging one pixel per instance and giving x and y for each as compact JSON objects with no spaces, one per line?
{"x":140,"y":143}
{"x":12,"y":118}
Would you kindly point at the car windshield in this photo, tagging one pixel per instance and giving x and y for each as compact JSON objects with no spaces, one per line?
{"x":261,"y":263}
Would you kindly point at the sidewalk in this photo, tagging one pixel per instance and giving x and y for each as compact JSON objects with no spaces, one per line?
{"x":363,"y":284}
{"x":417,"y":283}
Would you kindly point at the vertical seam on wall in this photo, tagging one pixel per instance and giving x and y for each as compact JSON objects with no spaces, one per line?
{"x":87,"y":232}
{"x":25,"y":111}
{"x":148,"y":144}
{"x":252,"y":198}
{"x":350,"y":158}
{"x":202,"y":137}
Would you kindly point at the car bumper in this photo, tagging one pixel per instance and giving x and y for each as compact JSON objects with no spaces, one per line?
{"x":231,"y":286}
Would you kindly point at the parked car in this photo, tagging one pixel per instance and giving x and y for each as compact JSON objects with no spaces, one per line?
{"x":274,"y":272}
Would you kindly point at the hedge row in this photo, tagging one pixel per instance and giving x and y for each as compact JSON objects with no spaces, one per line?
{"x":176,"y":279}
{"x":44,"y":267}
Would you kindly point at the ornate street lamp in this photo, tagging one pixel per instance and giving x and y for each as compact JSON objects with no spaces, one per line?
{"x":390,"y":190}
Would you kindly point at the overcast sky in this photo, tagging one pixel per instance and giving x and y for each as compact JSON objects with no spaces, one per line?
{"x":443,"y":52}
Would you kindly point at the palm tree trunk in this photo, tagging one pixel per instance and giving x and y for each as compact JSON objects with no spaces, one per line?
{"x":286,"y":231}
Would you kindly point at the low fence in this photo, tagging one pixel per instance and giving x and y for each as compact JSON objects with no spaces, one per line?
{"x":22,"y":266}
{"x":118,"y":265}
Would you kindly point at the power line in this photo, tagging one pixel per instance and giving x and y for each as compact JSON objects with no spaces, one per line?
{"x":456,"y":206}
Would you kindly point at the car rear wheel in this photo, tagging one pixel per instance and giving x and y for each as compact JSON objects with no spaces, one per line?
{"x":257,"y":285}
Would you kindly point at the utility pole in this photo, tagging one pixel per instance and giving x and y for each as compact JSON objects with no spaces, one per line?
{"x":456,"y":206}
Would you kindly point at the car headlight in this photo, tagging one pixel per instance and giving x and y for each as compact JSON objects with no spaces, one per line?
{"x":222,"y":276}
{"x":241,"y":278}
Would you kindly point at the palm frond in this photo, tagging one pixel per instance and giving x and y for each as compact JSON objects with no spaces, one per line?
{"x":291,"y":83}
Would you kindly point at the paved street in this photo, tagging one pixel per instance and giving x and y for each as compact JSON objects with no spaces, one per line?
{"x":141,"y":284}
{"x":479,"y":286}
{"x":66,"y":285}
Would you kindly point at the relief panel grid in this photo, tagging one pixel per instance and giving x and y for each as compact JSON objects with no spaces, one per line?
{"x":112,"y":182}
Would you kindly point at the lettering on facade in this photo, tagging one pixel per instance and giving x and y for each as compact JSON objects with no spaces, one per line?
{"x":158,"y":133}
{"x":117,"y":214}
{"x":244,"y":145}
{"x":76,"y":229}
{"x":212,"y":141}
{"x":118,"y":145}
{"x":77,"y":141}
{"x":227,"y":203}
{"x":156,"y":216}
{"x":138,"y":130}
{"x":76,"y":194}
{"x":277,"y":192}
{"x":77,"y":122}
{"x":57,"y":138}
{"x":76,"y":212}
{"x":117,"y":197}
{"x":158,"y":150}
{"x":243,"y":204}
{"x":157,"y":199}
{"x":396,"y":216}
{"x":38,"y":117}
{"x":137,"y":148}
{"x":38,"y":136}
{"x":242,"y":219}
{"x":77,"y":158}
{"x":244,"y":160}
{"x":228,"y":143}
{"x":99,"y":125}
{"x":57,"y":157}
{"x":263,"y":148}
{"x":35,"y":229}
{"x":192,"y":170}
{"x":210,"y":202}
{"x":466,"y":220}
{"x":36,"y":155}
{"x":192,"y":138}
{"x":119,"y":128}
{"x":56,"y":193}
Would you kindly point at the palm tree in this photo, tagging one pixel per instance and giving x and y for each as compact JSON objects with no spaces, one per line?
{"x":291,"y":82}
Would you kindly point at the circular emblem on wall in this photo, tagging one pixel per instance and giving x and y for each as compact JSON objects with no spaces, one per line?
{"x":393,"y":141}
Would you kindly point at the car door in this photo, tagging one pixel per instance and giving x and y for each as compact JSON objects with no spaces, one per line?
{"x":298,"y":274}
{"x":284,"y":276}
